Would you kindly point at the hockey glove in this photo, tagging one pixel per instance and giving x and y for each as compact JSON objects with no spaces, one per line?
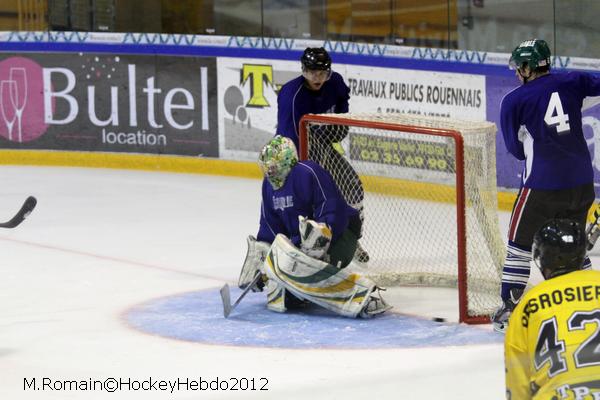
{"x":315,"y":237}
{"x":257,"y":251}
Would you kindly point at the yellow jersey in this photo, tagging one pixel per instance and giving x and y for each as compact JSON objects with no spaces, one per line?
{"x":552,"y":343}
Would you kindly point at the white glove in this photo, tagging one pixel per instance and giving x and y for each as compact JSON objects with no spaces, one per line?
{"x":315,"y":237}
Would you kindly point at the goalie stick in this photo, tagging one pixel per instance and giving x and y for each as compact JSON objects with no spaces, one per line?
{"x":23,"y":213}
{"x":226,"y":296}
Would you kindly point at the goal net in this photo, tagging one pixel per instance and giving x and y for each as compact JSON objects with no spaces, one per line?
{"x":427,"y":190}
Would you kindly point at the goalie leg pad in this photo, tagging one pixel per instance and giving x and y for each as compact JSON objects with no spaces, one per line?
{"x":344,"y":292}
{"x":255,"y":256}
{"x":275,"y":297}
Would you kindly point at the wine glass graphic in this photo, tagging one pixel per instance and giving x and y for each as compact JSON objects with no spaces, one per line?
{"x":7,"y":106}
{"x":19,"y":95}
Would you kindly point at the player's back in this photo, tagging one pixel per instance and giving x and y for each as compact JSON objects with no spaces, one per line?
{"x":548,"y":108}
{"x":557,"y":324}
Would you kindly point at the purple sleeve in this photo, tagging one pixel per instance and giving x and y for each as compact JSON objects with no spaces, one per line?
{"x":270,"y":224}
{"x":328,"y":205}
{"x":287,"y":114}
{"x":510,"y":125}
{"x":343,"y":97}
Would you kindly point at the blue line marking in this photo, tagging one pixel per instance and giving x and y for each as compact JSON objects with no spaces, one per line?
{"x":198,"y":317}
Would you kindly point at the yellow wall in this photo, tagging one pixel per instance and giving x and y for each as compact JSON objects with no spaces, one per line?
{"x":412,"y":19}
{"x":26,"y":15}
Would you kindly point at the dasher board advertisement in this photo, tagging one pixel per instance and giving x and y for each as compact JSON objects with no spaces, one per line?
{"x":429,"y":93}
{"x":107,"y":102}
{"x":248,"y":91}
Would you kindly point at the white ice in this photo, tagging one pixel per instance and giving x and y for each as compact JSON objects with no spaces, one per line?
{"x":102,"y":241}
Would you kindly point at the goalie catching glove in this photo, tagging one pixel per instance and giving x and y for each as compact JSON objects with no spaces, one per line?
{"x":315,"y":237}
{"x":255,"y":256}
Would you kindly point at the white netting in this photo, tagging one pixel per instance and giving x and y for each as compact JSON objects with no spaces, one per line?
{"x":406,"y":183}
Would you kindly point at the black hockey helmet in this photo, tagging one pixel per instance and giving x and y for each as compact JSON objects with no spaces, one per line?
{"x":316,"y":58}
{"x":559,"y":247}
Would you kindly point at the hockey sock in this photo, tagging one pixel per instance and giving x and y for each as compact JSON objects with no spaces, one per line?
{"x":515,"y":273}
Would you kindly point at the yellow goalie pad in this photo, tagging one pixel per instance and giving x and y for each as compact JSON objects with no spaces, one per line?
{"x":339,"y":290}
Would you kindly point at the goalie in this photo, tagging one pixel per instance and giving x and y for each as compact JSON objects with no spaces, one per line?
{"x":308,"y":234}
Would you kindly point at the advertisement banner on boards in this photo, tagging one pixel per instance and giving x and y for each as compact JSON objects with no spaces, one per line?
{"x":442,"y":94}
{"x":248,"y":97}
{"x":107,"y":102}
{"x":248,"y":91}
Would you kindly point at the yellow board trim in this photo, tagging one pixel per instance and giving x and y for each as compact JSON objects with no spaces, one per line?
{"x":214,"y":166}
{"x":146,"y":162}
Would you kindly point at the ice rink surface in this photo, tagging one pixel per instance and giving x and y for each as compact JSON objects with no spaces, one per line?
{"x":116,"y":275}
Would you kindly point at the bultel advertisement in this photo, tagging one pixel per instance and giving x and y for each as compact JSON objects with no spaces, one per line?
{"x":107,"y":102}
{"x":248,"y":97}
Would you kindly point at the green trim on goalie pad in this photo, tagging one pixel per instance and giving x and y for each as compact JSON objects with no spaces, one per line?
{"x":342,"y":292}
{"x":343,"y":299}
{"x":327,"y":272}
{"x":275,"y":297}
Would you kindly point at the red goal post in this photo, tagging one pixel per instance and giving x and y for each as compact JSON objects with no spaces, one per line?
{"x":422,"y":179}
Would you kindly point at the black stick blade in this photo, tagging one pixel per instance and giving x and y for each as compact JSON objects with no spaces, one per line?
{"x":23,"y":213}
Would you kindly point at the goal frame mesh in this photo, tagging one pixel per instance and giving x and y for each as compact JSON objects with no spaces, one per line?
{"x":461,"y":223}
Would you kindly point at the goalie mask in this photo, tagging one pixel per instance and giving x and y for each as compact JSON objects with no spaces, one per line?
{"x":559,"y":247}
{"x":277,"y":159}
{"x":533,"y":53}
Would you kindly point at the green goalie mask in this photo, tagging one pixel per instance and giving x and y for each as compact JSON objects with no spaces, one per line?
{"x":277,"y":159}
{"x":534,"y":53}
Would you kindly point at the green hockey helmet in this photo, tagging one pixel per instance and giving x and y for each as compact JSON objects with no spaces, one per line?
{"x":277,"y":159}
{"x":535,"y":53}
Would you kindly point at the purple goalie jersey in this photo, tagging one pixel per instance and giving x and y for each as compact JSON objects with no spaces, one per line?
{"x":541,"y":124}
{"x":295,"y":100}
{"x":308,"y":191}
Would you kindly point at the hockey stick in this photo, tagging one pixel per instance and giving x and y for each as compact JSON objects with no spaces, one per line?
{"x":23,"y":213}
{"x":593,"y":231}
{"x":226,"y":296}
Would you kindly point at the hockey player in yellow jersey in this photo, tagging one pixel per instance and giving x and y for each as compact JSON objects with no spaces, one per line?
{"x":552,"y":344}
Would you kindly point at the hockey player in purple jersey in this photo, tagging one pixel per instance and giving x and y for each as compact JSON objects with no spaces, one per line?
{"x":541,"y":124}
{"x":320,"y":90}
{"x":293,"y":189}
{"x":302,"y":209}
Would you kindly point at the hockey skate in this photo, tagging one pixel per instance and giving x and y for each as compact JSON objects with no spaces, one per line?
{"x":375,"y":305}
{"x":502,"y":314}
